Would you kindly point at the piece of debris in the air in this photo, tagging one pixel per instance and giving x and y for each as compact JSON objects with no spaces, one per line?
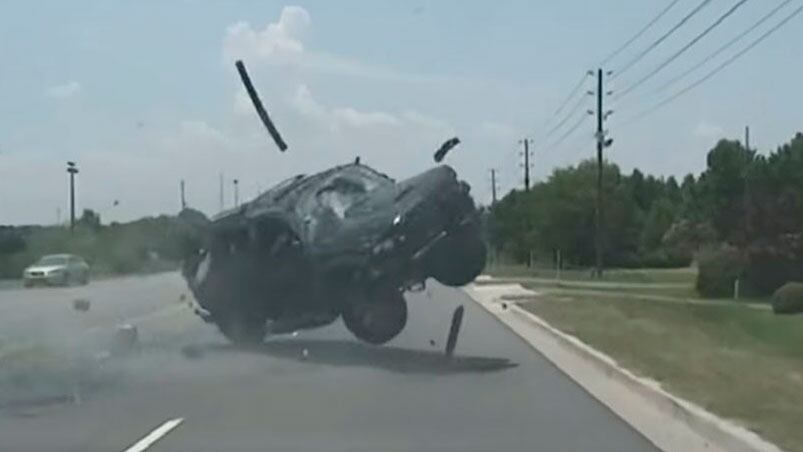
{"x":504,"y":305}
{"x":454,"y":330}
{"x":445,"y":147}
{"x":304,"y":353}
{"x":295,"y":334}
{"x":261,"y":111}
{"x":124,"y":339}
{"x":80,"y":304}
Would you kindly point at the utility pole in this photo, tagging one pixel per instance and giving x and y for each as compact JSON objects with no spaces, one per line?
{"x":221,"y":191}
{"x":493,"y":186}
{"x":183,"y":199}
{"x":747,"y":137}
{"x":746,"y":198}
{"x":527,"y":142}
{"x":73,"y":170}
{"x":236,"y":193}
{"x":602,"y":143}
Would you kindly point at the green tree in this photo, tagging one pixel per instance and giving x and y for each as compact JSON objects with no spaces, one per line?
{"x":660,"y":218}
{"x":722,"y":188}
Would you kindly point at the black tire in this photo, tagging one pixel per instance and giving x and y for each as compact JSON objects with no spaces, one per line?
{"x":377,"y":321}
{"x":457,"y":260}
{"x":241,"y":329}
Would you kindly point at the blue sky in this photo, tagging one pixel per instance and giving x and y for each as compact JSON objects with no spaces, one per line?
{"x":143,"y":94}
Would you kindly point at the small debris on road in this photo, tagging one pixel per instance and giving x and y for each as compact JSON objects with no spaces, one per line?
{"x":504,"y":305}
{"x":432,"y":342}
{"x":80,"y":304}
{"x":124,"y":340}
{"x":182,"y":297}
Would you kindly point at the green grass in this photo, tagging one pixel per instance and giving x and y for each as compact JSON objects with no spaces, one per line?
{"x":682,"y":292}
{"x":647,"y":275}
{"x":740,"y":363}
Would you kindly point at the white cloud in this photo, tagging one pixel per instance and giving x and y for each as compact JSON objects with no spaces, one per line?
{"x":304,"y":103}
{"x":336,"y":118}
{"x":64,"y":91}
{"x":707,"y":130}
{"x":418,"y":118}
{"x":279,"y":42}
{"x":354,"y":118}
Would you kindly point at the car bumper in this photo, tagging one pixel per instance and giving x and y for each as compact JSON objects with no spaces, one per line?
{"x":48,"y":280}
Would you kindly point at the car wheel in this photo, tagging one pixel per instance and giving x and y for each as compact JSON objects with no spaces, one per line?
{"x":457,"y":260}
{"x":376,"y":321}
{"x":240,"y":328}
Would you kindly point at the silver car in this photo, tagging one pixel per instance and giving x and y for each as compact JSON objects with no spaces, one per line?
{"x":57,"y":269}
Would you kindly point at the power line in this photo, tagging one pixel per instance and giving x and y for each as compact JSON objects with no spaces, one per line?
{"x":571,"y":113}
{"x":683,"y":49}
{"x":724,"y":47}
{"x":662,"y":38}
{"x":719,"y":68}
{"x":571,"y":94}
{"x":569,"y":132}
{"x":640,"y":32}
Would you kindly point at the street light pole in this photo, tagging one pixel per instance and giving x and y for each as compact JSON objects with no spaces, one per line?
{"x":183,"y":199}
{"x":73,"y":170}
{"x":236,"y":193}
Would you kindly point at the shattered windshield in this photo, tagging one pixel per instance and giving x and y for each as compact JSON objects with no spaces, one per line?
{"x":426,"y":225}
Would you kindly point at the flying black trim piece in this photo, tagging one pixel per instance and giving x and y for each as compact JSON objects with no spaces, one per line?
{"x":263,"y":114}
{"x":445,"y":147}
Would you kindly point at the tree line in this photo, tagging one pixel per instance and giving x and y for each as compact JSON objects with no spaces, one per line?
{"x":145,"y":245}
{"x":743,"y":212}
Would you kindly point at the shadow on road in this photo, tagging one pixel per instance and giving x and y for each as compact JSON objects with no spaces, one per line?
{"x":347,"y":353}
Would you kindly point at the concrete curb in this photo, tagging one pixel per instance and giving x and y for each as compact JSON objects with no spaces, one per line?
{"x":669,"y":422}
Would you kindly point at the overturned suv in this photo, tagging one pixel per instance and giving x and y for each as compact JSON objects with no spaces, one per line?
{"x":346,"y":242}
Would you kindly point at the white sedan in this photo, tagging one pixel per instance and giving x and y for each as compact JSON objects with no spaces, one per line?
{"x":57,"y":269}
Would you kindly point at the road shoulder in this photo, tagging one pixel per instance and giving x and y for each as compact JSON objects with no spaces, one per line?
{"x":669,"y":422}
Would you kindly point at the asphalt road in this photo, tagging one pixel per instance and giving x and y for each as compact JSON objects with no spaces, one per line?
{"x":187,"y":386}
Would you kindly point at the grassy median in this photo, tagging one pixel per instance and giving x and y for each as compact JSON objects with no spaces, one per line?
{"x":638,"y":275}
{"x":740,"y":363}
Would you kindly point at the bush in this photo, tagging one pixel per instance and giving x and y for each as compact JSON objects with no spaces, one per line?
{"x":788,"y":299}
{"x":718,"y":270}
{"x":772,"y":263}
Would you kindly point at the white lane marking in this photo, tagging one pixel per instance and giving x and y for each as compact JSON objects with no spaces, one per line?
{"x":155,"y":435}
